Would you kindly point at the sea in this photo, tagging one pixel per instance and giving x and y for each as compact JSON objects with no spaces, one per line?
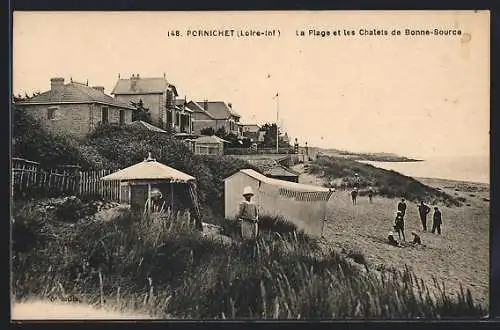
{"x":462,"y":168}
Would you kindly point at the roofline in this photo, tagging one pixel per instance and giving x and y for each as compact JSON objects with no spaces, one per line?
{"x":202,"y":110}
{"x":183,"y":109}
{"x":75,"y":102}
{"x":232,"y":113}
{"x":138,"y":93}
{"x":273,"y":181}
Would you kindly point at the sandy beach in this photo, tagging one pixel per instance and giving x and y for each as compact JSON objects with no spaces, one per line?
{"x":459,"y":255}
{"x":47,"y":310}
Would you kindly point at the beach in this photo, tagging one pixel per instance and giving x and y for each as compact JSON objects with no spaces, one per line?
{"x":459,"y":256}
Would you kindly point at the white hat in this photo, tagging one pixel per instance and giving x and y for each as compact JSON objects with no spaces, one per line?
{"x":390,"y":233}
{"x":248,"y":191}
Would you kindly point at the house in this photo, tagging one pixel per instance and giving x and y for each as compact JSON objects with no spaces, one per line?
{"x":281,"y":172}
{"x":75,"y":108}
{"x":159,"y":96}
{"x":209,"y":145}
{"x":302,"y":205}
{"x":254,"y":128}
{"x":284,"y":138}
{"x":251,"y":131}
{"x":215,"y":114}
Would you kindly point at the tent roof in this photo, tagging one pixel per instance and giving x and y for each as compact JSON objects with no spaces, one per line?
{"x":280,"y":183}
{"x":149,"y":169}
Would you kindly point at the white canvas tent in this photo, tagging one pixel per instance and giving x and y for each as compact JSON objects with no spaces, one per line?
{"x":303,"y":205}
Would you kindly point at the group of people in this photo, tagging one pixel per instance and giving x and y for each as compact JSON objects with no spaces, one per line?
{"x":354,"y":195}
{"x":399,"y":222}
{"x":249,"y":217}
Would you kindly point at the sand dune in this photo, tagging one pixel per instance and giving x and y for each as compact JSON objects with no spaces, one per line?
{"x":46,"y":310}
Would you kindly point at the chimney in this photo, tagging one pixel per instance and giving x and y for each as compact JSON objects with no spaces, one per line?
{"x":133,"y":81}
{"x":56,"y":84}
{"x":230,"y":105}
{"x":205,"y":105}
{"x":99,"y":88}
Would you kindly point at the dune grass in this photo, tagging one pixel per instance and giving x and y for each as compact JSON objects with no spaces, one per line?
{"x":386,"y":183}
{"x":162,"y":266}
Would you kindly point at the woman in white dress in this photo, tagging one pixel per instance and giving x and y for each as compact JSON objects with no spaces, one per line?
{"x":248,"y":215}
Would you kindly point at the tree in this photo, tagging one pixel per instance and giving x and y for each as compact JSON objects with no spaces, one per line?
{"x":207,"y":131}
{"x":20,"y":98}
{"x":270,"y":136}
{"x":141,"y":112}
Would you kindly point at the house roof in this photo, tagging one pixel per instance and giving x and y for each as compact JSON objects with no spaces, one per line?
{"x":263,"y":165}
{"x":181,"y":108}
{"x":281,"y":183}
{"x":142,"y":86}
{"x":75,"y":92}
{"x":148,"y":126}
{"x":218,"y":109}
{"x":195,"y":107}
{"x":252,"y":126}
{"x":280,"y":170}
{"x":210,"y":139}
{"x":149,"y":169}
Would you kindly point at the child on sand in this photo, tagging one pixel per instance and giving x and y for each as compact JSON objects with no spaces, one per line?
{"x":392,"y":241}
{"x":402,"y":207}
{"x":416,"y":239}
{"x":399,"y":225}
{"x":370,"y":194}
{"x":354,"y":195}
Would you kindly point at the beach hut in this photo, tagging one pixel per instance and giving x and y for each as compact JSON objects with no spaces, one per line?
{"x":140,"y":183}
{"x":303,"y":205}
{"x":209,"y":145}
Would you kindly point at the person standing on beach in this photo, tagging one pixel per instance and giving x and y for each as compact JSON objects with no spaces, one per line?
{"x":399,"y":225}
{"x":248,"y":216}
{"x":370,"y":194}
{"x":423,"y":210}
{"x":402,"y":207}
{"x":354,"y":195}
{"x":436,"y":221}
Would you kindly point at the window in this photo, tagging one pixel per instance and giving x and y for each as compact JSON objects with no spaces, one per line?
{"x":122,"y":117}
{"x":202,"y":150}
{"x":104,"y":115}
{"x":52,"y":113}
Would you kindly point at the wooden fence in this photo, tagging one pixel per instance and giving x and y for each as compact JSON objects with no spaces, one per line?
{"x":29,"y":179}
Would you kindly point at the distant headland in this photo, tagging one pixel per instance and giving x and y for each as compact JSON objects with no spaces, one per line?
{"x":376,"y":157}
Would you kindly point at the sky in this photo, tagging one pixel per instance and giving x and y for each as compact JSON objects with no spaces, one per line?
{"x":417,"y":96}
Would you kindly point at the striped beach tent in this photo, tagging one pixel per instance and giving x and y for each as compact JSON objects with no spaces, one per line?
{"x":303,"y":205}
